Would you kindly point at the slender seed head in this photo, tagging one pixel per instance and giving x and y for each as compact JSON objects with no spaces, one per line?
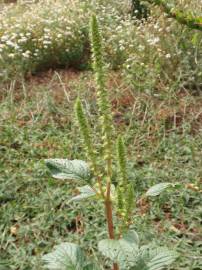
{"x":83,"y":123}
{"x":120,"y":201}
{"x":96,"y":42}
{"x":121,"y":154}
{"x":129,"y":203}
{"x":104,"y":107}
{"x":86,"y":133}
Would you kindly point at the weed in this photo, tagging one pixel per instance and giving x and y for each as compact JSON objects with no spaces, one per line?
{"x":123,"y":246}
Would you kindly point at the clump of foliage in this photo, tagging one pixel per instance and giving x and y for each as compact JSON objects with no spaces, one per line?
{"x":163,"y":56}
{"x":51,"y":34}
{"x":40,"y":36}
{"x":122,"y":247}
{"x":183,"y":17}
{"x":153,"y":54}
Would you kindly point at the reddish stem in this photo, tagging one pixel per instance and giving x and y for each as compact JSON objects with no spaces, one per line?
{"x":108,"y":207}
{"x":109,"y":216}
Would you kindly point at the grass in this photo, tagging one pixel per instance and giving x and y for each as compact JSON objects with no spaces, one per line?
{"x":163,"y":133}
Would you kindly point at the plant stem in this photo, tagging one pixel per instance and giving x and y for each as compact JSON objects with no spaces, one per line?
{"x":109,"y":217}
{"x":108,"y":208}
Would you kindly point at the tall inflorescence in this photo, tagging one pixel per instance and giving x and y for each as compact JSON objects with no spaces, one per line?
{"x":121,"y":153}
{"x":86,"y":134}
{"x":125,"y":190}
{"x":104,"y":107}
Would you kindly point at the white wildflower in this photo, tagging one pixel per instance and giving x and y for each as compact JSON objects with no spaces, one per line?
{"x":47,"y":42}
{"x":11,"y":55}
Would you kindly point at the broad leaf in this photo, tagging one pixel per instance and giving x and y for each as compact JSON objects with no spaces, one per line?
{"x":157,"y":189}
{"x":67,"y":256}
{"x":85,"y":193}
{"x":127,"y":253}
{"x":68,"y":169}
{"x":122,"y":251}
{"x":132,"y":236}
{"x":109,"y":248}
{"x":154,"y":258}
{"x":162,"y":259}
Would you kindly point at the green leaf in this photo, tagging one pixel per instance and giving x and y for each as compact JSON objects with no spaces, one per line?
{"x":122,"y":251}
{"x":109,"y":248}
{"x":156,"y":258}
{"x":157,"y":189}
{"x":162,"y":259}
{"x":67,"y":256}
{"x":132,"y":236}
{"x":127,"y":253}
{"x":68,"y":169}
{"x":85,"y":193}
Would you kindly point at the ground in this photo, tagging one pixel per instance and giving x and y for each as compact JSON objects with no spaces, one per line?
{"x":163,"y":134}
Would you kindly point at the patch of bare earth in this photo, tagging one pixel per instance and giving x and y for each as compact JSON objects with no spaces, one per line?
{"x":64,"y":84}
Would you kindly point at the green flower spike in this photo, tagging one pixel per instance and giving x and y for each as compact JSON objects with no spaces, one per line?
{"x":102,"y":95}
{"x":86,"y":133}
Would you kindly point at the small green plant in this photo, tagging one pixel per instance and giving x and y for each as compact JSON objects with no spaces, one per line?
{"x":122,"y":247}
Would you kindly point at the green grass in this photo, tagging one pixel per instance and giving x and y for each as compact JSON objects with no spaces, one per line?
{"x":164,"y":137}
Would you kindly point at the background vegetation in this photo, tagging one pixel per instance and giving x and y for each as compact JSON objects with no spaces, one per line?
{"x":155,"y":90}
